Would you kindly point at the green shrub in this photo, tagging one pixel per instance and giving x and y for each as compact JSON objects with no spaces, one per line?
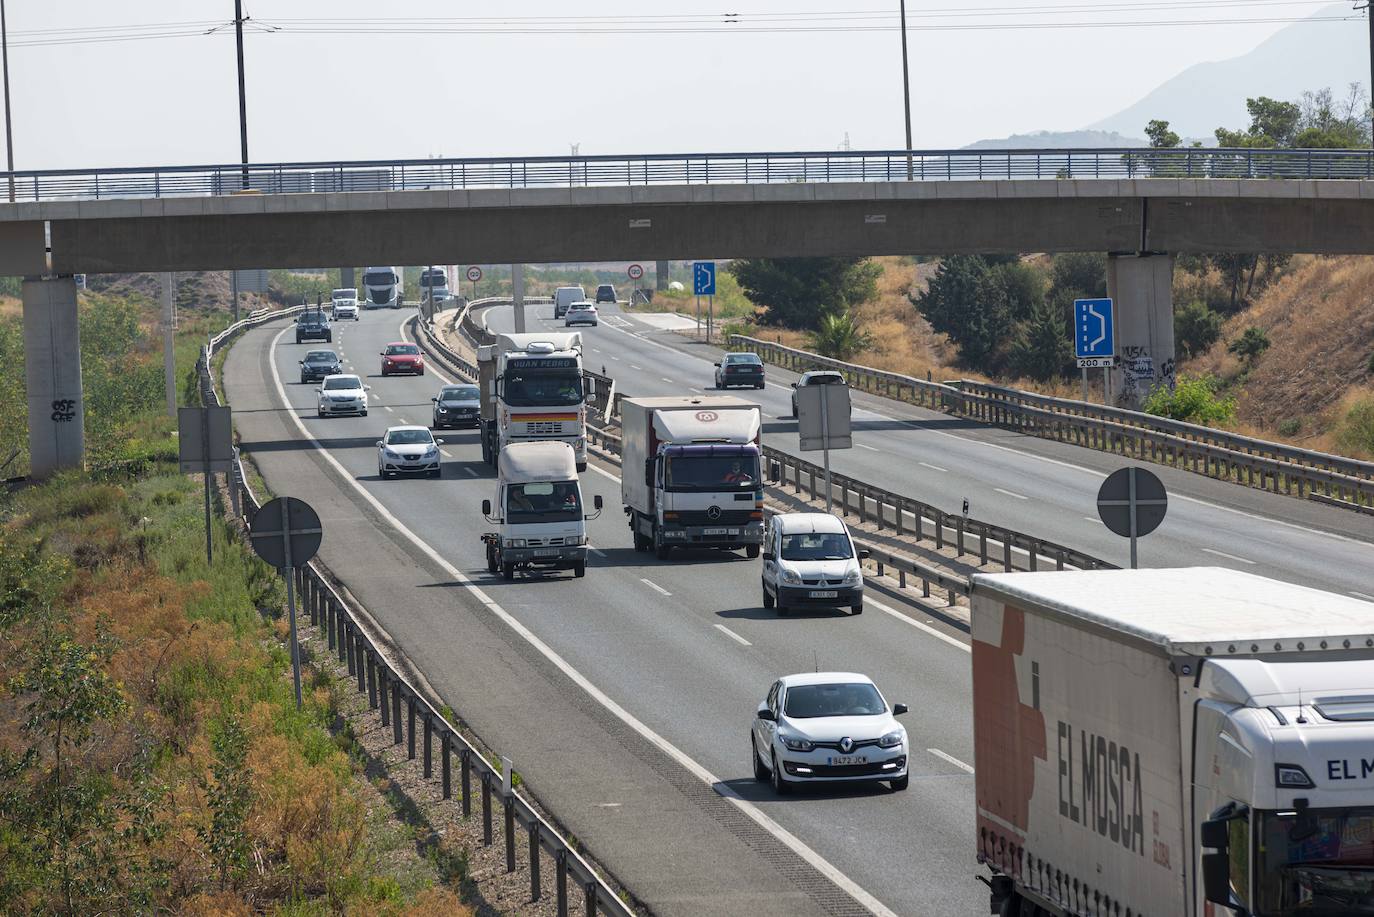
{"x":1250,"y":345}
{"x":1196,"y":328}
{"x":1371,"y":364}
{"x":1193,"y":400}
{"x":1355,"y":433}
{"x":839,"y":337}
{"x":1290,"y":427}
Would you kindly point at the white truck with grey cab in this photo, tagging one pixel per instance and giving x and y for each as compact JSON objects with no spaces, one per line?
{"x":691,"y":473}
{"x":538,"y":511}
{"x":383,"y":287}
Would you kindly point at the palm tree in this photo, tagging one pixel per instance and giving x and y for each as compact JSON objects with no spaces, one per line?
{"x":839,"y":336}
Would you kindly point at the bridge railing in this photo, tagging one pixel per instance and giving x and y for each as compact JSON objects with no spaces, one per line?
{"x":682,"y":169}
{"x":411,"y":716}
{"x":1229,"y":456}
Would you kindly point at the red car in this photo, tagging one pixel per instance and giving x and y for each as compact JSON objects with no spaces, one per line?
{"x":402,"y":358}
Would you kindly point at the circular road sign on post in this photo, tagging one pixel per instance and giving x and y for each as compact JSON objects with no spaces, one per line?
{"x":635,"y":271}
{"x":474,"y":273}
{"x":286,"y":533}
{"x":1132,"y":502}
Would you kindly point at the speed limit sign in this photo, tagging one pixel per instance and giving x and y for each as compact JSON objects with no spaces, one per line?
{"x":474,"y":273}
{"x":635,"y":271}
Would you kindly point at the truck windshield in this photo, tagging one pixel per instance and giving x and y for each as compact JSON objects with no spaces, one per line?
{"x":543,"y":501}
{"x":1316,"y":864}
{"x":379,"y":278}
{"x":543,"y":388}
{"x":711,"y":472}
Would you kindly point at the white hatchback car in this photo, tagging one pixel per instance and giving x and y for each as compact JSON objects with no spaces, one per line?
{"x":581,"y":313}
{"x":409,"y":449}
{"x":810,"y":559}
{"x":342,"y":394}
{"x":822,"y":727}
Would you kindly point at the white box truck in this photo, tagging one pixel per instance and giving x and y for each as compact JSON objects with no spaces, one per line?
{"x":538,"y":511}
{"x":532,"y":390}
{"x":690,"y":473}
{"x":1188,"y":742}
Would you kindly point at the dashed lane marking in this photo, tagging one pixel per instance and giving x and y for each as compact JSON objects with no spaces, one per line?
{"x":654,"y":586}
{"x":1239,"y":560}
{"x":933,"y":467}
{"x":1012,"y":494}
{"x":943,"y":756}
{"x":732,"y":635}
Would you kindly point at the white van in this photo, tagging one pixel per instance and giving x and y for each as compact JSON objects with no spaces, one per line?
{"x":564,"y":297}
{"x":810,"y":559}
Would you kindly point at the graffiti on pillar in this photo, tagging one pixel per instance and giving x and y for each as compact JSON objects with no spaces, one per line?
{"x":1137,"y":374}
{"x":63,"y":410}
{"x":1166,"y":374}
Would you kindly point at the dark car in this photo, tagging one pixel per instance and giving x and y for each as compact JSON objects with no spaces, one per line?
{"x":605,"y":293}
{"x":740,"y":369}
{"x":457,"y":406}
{"x":313,"y":326}
{"x":816,"y":377}
{"x":318,"y":364}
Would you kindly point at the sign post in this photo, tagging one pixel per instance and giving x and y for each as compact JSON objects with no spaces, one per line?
{"x":286,"y":533}
{"x":474,"y":274}
{"x":1132,"y":502}
{"x":1094,"y":336}
{"x":704,"y":284}
{"x":205,"y":443}
{"x":823,"y":423}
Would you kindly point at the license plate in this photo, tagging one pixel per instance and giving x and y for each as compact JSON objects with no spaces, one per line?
{"x":822,"y":593}
{"x":546,"y":552}
{"x":842,"y":760}
{"x":715,"y":531}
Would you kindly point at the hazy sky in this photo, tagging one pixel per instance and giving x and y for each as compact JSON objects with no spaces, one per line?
{"x":378,"y":92}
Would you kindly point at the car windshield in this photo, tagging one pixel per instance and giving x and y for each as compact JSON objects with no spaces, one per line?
{"x":401,"y":349}
{"x":579,"y":306}
{"x":816,"y":546}
{"x":408,"y":438}
{"x":806,"y":702}
{"x":543,"y":501}
{"x":1318,"y":863}
{"x":321,"y":356}
{"x":379,"y":278}
{"x":824,"y":379}
{"x":711,"y":472}
{"x":552,"y":388}
{"x":312,"y":318}
{"x":338,"y":382}
{"x":350,"y":293}
{"x":459,"y":393}
{"x":603,"y":290}
{"x":742,"y":358}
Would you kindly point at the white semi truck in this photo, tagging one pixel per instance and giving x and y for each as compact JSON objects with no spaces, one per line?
{"x":691,"y":474}
{"x":383,"y":287}
{"x":532,"y":391}
{"x":538,"y":511}
{"x":1190,"y":742}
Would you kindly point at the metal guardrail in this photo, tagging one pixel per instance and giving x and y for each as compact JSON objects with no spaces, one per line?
{"x":1216,"y":453}
{"x":684,"y":169}
{"x":413,"y":719}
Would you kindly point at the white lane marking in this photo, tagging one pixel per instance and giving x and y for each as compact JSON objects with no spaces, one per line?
{"x":787,"y":838}
{"x":951,"y":759}
{"x":1241,"y":560}
{"x":445,"y":453}
{"x":654,"y":586}
{"x":470,"y":471}
{"x":1094,"y":519}
{"x":941,"y":635}
{"x":595,"y":551}
{"x":666,"y":379}
{"x":869,"y":448}
{"x":616,"y":358}
{"x":933,"y":467}
{"x":1361,"y":595}
{"x":732,"y":635}
{"x":698,"y":391}
{"x":632,"y":366}
{"x":385,"y":408}
{"x":1011,"y":494}
{"x":604,"y":473}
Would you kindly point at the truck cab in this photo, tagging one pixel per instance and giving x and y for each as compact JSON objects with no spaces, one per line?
{"x":531,"y":386}
{"x":434,"y":283}
{"x":538,"y":511}
{"x":383,"y":287}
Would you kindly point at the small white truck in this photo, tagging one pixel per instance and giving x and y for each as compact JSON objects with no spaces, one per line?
{"x":538,"y":511}
{"x":532,"y":390}
{"x":1189,"y":742}
{"x":690,"y":473}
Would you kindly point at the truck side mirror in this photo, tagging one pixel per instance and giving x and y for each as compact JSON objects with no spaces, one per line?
{"x":774,"y":472}
{"x":597,"y":502}
{"x":486,"y":507}
{"x":1216,"y":866}
{"x":769,"y":556}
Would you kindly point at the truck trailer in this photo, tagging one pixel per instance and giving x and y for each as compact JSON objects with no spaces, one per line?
{"x":1190,"y":742}
{"x":531,"y":387}
{"x":690,"y":473}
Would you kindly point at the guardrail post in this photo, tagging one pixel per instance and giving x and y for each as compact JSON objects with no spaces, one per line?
{"x":534,"y":859}
{"x":561,"y":871}
{"x":370,"y":663}
{"x":410,"y":730}
{"x":983,"y":548}
{"x":509,"y":803}
{"x":959,"y":536}
{"x":590,"y":890}
{"x":925,"y":588}
{"x":346,"y":648}
{"x":939,"y":530}
{"x":384,"y":707}
{"x":1033,"y":548}
{"x":396,"y":725}
{"x":465,"y":774}
{"x":486,"y":808}
{"x":429,"y":740}
{"x":444,"y":749}
{"x":1006,"y":552}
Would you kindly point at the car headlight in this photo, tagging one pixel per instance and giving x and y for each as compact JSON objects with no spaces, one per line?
{"x":852,"y":578}
{"x":443,"y":410}
{"x":796,"y":743}
{"x":789,"y":576}
{"x":432,"y":450}
{"x":390,"y":454}
{"x":515,"y":542}
{"x":892,"y":739}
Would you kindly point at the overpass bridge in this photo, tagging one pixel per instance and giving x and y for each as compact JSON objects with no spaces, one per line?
{"x":1142,"y":206}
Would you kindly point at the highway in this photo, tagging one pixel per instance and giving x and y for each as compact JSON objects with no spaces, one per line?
{"x":1035,"y":486}
{"x":625,"y":698}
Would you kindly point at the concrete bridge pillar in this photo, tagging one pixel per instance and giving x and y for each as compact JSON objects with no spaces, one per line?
{"x":346,"y":277}
{"x":52,"y":369}
{"x":1141,"y":286}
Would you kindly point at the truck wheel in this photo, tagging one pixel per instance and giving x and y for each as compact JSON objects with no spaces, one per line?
{"x":580,"y":569}
{"x":508,"y":571}
{"x":491,"y":559}
{"x":767,"y":597}
{"x":641,"y":543}
{"x":751,"y":551}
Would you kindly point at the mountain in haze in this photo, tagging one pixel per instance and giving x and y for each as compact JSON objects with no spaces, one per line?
{"x":1058,"y":140}
{"x":1302,"y":56}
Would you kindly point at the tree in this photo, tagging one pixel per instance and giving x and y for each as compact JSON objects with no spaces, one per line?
{"x":1250,"y":345}
{"x":840,"y":337}
{"x":953,"y":305}
{"x":1078,"y":275}
{"x":1013,"y":288}
{"x":1193,"y":400}
{"x":1196,"y":328}
{"x":1161,"y":138}
{"x":799,"y":292}
{"x":1041,"y":347}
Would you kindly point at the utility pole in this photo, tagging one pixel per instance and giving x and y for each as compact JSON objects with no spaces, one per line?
{"x":906,"y":96}
{"x":243,"y":101}
{"x":1368,"y":12}
{"x":5,"y":57}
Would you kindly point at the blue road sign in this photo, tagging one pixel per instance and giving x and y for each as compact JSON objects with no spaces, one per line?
{"x":704,"y":278}
{"x":1094,"y":334}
